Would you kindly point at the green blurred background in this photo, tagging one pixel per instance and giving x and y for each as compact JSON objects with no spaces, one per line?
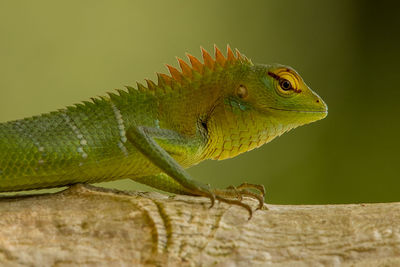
{"x":56,"y":53}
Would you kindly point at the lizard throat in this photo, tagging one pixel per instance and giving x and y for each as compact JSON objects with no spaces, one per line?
{"x":227,"y":141}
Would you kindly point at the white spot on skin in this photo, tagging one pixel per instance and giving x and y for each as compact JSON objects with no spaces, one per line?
{"x":123,"y":148}
{"x":33,"y":138}
{"x":78,"y":134}
{"x":121,"y":127}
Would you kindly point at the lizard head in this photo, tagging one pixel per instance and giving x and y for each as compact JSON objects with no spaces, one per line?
{"x":277,"y":91}
{"x":262,"y":103}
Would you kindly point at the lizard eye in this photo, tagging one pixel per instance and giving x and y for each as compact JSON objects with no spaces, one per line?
{"x":285,"y":84}
{"x":241,"y":91}
{"x":286,"y":81}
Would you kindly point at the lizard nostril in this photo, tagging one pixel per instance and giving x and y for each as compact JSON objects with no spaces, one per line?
{"x":317,"y":100}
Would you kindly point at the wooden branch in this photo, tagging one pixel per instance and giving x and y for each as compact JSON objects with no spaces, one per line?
{"x":85,"y":225}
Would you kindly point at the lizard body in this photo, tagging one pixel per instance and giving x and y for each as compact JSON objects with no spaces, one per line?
{"x":212,"y":110}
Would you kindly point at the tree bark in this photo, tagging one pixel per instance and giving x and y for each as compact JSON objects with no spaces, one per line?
{"x":85,"y":225}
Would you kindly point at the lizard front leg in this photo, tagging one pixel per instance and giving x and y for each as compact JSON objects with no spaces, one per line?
{"x":174,"y":178}
{"x":143,"y":139}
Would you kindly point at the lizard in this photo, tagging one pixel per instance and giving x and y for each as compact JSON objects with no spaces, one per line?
{"x":215,"y":109}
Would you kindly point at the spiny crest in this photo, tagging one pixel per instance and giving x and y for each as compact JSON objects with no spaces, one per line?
{"x":176,"y":76}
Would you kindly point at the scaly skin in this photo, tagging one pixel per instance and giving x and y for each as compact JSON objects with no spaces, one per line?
{"x":212,"y":110}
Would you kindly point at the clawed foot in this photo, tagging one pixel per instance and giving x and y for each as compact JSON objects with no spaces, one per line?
{"x":234,"y":195}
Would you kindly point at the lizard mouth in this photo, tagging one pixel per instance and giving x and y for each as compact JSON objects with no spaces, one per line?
{"x":302,"y":111}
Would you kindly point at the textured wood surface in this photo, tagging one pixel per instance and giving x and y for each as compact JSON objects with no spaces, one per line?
{"x":90,"y":226}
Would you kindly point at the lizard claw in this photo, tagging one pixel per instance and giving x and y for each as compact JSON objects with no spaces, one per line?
{"x":207,"y":192}
{"x":234,"y":195}
{"x":212,"y":199}
{"x":237,"y":202}
{"x":259,"y":187}
{"x":211,"y":195}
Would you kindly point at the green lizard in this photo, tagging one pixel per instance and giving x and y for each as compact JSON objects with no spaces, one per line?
{"x":150,"y":134}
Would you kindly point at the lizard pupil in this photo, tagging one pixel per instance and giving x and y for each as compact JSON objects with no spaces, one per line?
{"x":285,"y":84}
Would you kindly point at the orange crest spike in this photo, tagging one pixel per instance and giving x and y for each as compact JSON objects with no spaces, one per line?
{"x":167,"y":79}
{"x":196,"y":64}
{"x":230,"y":55}
{"x":174,"y":72}
{"x":219,"y":57}
{"x":208,"y":61}
{"x":186,"y":70}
